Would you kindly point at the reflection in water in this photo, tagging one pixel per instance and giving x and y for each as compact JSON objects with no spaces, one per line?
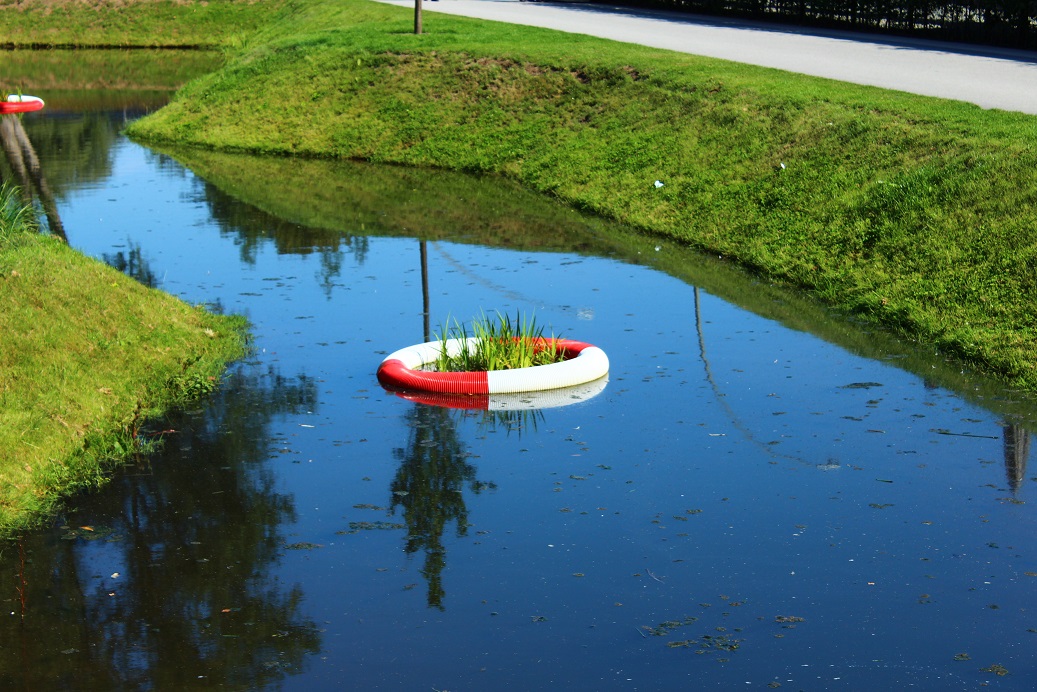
{"x":23,"y":161}
{"x":1016,"y":437}
{"x":734,"y":418}
{"x":251,"y":228}
{"x":1017,"y":452}
{"x":429,"y":490}
{"x":356,"y":198}
{"x":78,"y":148}
{"x":511,"y":420}
{"x":166,"y":572}
{"x":80,"y":80}
{"x":132,"y":264}
{"x":508,"y":409}
{"x":657,"y":476}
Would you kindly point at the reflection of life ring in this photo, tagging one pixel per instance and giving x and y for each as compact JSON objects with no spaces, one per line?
{"x":18,"y":103}
{"x":400,"y":370}
{"x":551,"y":398}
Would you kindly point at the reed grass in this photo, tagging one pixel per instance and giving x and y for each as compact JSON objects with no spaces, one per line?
{"x":497,"y":343}
{"x":16,"y":217}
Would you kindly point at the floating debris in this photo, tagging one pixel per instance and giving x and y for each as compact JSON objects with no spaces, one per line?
{"x":355,"y":526}
{"x":664,"y":628}
{"x":788,"y":618}
{"x":707,"y":643}
{"x":944,"y":431}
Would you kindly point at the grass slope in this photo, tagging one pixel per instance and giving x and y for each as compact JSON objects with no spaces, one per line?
{"x":87,"y":356}
{"x":913,"y":212}
{"x":130,"y":23}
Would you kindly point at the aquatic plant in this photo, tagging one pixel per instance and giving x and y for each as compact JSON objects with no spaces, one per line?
{"x":497,"y":343}
{"x":16,"y":217}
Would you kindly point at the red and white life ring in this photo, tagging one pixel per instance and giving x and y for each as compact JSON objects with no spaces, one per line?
{"x":19,"y":103}
{"x":401,"y":370}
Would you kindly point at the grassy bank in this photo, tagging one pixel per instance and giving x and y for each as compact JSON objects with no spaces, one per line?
{"x":131,"y":23}
{"x":912,"y":212}
{"x":88,"y":355}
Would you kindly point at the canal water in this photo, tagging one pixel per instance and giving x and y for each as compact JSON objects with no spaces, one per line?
{"x":760,"y":495}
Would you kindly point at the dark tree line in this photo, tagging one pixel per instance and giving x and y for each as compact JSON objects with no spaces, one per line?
{"x":1008,"y":23}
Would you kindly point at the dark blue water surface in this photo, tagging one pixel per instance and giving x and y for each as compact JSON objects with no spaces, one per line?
{"x":758,"y":497}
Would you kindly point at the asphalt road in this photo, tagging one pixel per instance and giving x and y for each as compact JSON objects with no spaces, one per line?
{"x":988,"y":77}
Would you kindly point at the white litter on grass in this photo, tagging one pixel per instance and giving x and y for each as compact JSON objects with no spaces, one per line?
{"x":659,"y":183}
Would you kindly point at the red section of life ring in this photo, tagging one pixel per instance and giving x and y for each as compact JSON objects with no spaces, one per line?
{"x":20,"y":104}
{"x":466,"y":402}
{"x":401,"y":370}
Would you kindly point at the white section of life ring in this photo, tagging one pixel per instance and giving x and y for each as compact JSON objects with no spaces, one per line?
{"x":590,"y":364}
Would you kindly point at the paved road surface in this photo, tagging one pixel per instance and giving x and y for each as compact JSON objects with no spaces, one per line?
{"x":989,"y":77}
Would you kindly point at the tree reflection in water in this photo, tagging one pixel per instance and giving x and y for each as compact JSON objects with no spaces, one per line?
{"x":429,"y":489}
{"x":171,"y":587}
{"x":133,"y":264}
{"x":252,"y":228}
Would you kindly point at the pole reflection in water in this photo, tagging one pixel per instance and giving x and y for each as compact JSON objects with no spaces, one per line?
{"x":1017,"y":453}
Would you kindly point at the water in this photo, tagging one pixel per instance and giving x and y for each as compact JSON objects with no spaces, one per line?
{"x":761,"y":494}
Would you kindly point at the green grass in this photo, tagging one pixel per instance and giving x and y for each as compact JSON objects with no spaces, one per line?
{"x":88,"y":356}
{"x":919,"y":214}
{"x":131,"y":23}
{"x":499,"y":344}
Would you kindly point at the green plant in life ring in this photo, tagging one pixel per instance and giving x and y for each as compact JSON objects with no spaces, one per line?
{"x":500,"y":343}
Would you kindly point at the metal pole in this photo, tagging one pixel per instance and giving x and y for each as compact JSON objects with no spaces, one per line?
{"x":424,"y":286}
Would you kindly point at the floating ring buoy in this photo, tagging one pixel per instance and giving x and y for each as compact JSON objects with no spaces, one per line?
{"x":401,"y":370}
{"x":18,"y":103}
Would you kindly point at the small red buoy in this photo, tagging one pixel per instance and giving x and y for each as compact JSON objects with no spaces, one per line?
{"x":20,"y":103}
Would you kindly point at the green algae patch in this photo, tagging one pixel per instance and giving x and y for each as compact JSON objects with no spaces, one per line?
{"x":87,"y":357}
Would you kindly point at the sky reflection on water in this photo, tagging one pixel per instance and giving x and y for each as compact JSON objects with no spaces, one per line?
{"x":743,"y":503}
